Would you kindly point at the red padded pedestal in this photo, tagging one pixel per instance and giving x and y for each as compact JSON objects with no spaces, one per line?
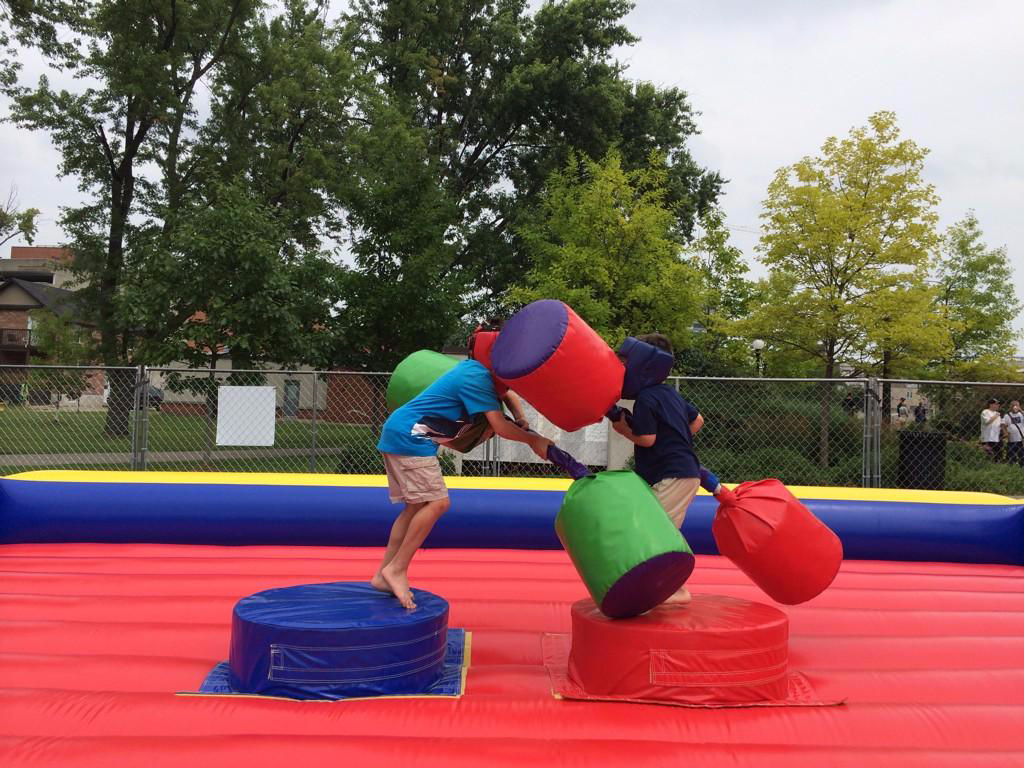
{"x":716,"y":650}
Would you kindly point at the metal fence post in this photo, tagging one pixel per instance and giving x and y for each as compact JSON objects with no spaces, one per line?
{"x":865,"y":449}
{"x":143,"y":446}
{"x":316,"y":403}
{"x":872,"y":450}
{"x":136,"y":428}
{"x":877,"y":469}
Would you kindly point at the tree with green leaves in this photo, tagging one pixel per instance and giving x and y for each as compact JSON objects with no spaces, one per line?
{"x":976,"y":289}
{"x":246,"y":299}
{"x":140,"y":66}
{"x":261,"y":171}
{"x":15,"y":221}
{"x":486,"y":99}
{"x":154,"y":251}
{"x":282,"y":113}
{"x":904,"y":331}
{"x":601,"y":240}
{"x":841,"y":230}
{"x":58,"y":341}
{"x":723,"y":297}
{"x":35,"y":23}
{"x":405,"y":290}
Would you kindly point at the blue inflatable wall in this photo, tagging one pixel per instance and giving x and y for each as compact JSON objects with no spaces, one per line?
{"x":238,"y":508}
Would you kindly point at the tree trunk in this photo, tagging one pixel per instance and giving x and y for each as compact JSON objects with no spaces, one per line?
{"x":120,"y":402}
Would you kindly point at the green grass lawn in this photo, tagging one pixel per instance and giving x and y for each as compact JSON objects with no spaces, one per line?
{"x":25,"y":431}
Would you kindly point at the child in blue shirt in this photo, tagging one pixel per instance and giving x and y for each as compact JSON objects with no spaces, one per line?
{"x":414,"y":473}
{"x":661,"y":428}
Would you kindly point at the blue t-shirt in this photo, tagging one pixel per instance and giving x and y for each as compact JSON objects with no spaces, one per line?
{"x":465,"y":391}
{"x":662,"y":412}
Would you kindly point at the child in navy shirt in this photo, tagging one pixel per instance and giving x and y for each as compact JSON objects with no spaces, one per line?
{"x":662,"y":427}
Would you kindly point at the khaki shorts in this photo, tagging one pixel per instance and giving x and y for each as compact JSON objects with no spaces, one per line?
{"x":675,"y":495}
{"x":414,"y":479}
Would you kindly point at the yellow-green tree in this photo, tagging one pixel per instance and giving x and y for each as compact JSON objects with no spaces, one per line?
{"x":842,"y":232}
{"x":601,"y":241}
{"x":904,"y":332}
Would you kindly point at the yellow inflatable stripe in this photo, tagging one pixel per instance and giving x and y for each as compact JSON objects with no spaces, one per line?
{"x":476,"y":483}
{"x":280,"y":478}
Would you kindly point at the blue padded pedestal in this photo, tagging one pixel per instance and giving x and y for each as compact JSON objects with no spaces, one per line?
{"x":336,"y":640}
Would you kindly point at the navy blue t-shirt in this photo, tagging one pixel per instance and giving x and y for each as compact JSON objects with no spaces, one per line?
{"x":661,"y":411}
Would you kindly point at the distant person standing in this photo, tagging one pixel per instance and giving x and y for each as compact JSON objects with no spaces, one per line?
{"x":902,"y":410}
{"x":920,"y":413}
{"x":991,"y":424}
{"x":1013,"y":422}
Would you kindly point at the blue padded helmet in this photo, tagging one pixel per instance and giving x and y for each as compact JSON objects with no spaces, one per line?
{"x":646,"y":365}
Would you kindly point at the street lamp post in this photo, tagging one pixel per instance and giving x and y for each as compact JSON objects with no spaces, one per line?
{"x":757,"y":345}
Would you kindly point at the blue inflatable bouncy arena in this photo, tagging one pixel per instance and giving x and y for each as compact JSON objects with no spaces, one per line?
{"x":512,"y":513}
{"x":120,"y":590}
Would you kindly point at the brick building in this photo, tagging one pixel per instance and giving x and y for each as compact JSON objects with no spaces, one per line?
{"x":39,"y":264}
{"x":32,"y":278}
{"x":17,"y":299}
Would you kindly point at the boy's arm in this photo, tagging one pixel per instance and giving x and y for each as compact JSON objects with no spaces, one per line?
{"x":511,"y":431}
{"x":515,"y":405}
{"x":696,"y":424}
{"x":622,"y":427}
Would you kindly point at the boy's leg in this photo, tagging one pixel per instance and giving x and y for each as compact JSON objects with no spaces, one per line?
{"x":416,"y":480}
{"x":395,"y":573}
{"x":675,"y":495}
{"x":398,"y":529}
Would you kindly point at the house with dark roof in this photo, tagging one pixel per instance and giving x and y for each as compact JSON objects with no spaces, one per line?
{"x":19,"y":297}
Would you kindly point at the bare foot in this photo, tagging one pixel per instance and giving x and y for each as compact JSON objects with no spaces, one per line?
{"x":377,"y":582}
{"x":398,"y":583}
{"x":680,"y":597}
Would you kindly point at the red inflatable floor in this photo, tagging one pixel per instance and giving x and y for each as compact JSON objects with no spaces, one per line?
{"x":95,"y":639}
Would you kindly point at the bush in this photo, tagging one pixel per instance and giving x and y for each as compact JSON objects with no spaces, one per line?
{"x":995,"y":478}
{"x":360,"y":459}
{"x":789,"y":466}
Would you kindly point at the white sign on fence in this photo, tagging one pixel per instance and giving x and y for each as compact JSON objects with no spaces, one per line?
{"x":245,"y":415}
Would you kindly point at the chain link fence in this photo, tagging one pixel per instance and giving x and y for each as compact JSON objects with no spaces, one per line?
{"x":944,"y":434}
{"x":847,"y":432}
{"x":803,"y":431}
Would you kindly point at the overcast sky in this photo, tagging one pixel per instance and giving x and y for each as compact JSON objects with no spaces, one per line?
{"x":772,"y":79}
